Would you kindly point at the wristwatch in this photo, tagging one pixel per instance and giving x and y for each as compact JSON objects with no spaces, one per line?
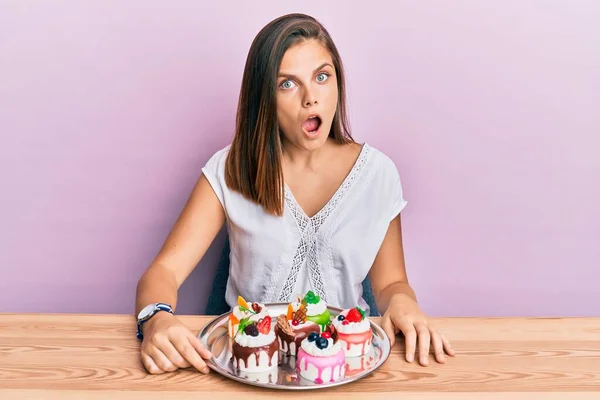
{"x":148,"y":312}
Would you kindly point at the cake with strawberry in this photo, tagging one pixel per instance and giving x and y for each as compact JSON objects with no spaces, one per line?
{"x":244,"y":309}
{"x":353,"y":331}
{"x":316,"y":310}
{"x":321,"y":358}
{"x":292,"y":328}
{"x":255,"y":347}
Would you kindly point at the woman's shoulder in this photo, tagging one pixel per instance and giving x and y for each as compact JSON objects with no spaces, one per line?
{"x":215,"y":166}
{"x":383,"y":162}
{"x":388,"y":182}
{"x":220,"y":155}
{"x":214,"y":171}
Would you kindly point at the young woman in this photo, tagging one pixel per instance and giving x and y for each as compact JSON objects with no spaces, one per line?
{"x":306,"y":207}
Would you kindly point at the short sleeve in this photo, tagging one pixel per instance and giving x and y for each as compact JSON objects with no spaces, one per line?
{"x":214,"y":171}
{"x":398,"y":202}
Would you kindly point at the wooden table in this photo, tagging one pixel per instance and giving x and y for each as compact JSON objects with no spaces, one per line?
{"x":97,"y":357}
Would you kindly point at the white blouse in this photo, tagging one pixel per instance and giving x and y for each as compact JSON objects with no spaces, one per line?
{"x":274,"y":259}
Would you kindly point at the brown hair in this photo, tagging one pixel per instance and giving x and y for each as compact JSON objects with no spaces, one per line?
{"x":253,"y":166}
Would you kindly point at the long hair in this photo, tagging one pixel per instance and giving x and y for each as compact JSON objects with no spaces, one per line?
{"x":253,"y":167}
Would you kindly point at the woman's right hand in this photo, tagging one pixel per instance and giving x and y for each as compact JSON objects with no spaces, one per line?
{"x":169,"y":345}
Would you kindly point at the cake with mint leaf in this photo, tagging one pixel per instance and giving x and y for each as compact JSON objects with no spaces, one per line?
{"x":254,"y":311}
{"x":316,"y":310}
{"x":255,"y":347}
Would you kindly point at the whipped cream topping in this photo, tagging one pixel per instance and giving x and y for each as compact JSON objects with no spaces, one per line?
{"x":351,"y":327}
{"x":330,"y":350}
{"x":316,"y":309}
{"x":311,"y":309}
{"x":255,"y":341}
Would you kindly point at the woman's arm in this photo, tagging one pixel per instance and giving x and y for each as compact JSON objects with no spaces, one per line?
{"x":388,"y":273}
{"x":397,"y":300}
{"x":168,"y":344}
{"x":197,"y":226}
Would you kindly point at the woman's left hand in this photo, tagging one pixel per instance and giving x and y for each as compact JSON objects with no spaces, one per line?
{"x":404,"y":315}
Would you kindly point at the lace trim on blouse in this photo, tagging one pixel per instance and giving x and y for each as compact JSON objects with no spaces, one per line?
{"x":309,"y":228}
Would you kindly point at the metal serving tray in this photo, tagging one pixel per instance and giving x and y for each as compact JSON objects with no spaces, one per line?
{"x":214,"y":337}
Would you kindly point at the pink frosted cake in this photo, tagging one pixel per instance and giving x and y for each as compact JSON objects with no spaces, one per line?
{"x":320,"y":359}
{"x":353,"y":331}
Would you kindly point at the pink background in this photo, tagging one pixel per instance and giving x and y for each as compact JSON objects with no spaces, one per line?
{"x":109,"y":109}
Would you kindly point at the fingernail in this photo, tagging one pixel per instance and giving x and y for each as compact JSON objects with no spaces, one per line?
{"x":409,"y":358}
{"x":205,"y":370}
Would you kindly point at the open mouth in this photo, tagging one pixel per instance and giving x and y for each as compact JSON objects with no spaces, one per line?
{"x":312,"y":124}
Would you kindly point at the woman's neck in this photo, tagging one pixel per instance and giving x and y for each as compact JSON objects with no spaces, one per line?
{"x":298,"y":158}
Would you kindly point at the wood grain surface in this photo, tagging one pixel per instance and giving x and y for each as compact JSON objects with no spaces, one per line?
{"x":54,"y":356}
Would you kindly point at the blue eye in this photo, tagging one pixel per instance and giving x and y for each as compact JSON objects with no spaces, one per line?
{"x":287,"y":85}
{"x":322,"y":77}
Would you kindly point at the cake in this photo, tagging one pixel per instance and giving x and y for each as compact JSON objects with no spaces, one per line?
{"x":320,"y":358}
{"x":255,"y":347}
{"x":292,"y":328}
{"x":254,"y":311}
{"x":316,"y":310}
{"x":353,"y":331}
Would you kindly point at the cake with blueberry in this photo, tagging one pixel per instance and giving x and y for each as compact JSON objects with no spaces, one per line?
{"x":292,"y":328}
{"x":320,"y":358}
{"x":316,"y":310}
{"x":255,"y":347}
{"x":353,"y":332}
{"x":254,"y":311}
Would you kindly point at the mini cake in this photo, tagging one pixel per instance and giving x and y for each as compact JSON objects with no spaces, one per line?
{"x":316,"y":310}
{"x":255,"y":347}
{"x":293,"y":328}
{"x":321,"y":359}
{"x":353,"y":331}
{"x":254,"y":311}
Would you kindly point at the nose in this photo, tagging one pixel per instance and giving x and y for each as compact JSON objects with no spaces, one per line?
{"x":309,"y":98}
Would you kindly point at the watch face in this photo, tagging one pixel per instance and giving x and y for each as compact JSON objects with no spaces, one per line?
{"x":146,"y":311}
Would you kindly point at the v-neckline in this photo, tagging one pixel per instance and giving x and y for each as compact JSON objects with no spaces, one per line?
{"x":290,"y":195}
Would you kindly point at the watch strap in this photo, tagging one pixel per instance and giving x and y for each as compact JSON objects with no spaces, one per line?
{"x":157,"y":308}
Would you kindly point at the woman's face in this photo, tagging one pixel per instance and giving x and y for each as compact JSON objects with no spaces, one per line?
{"x":306,"y":94}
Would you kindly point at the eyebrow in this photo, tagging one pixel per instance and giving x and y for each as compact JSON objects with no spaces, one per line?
{"x":325,"y":64}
